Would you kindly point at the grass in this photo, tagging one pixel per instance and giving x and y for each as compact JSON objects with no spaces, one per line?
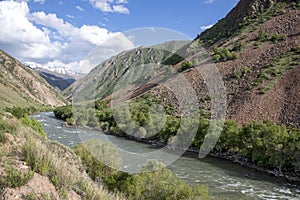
{"x":238,"y":74}
{"x":276,"y":69}
{"x":15,"y":178}
{"x":251,"y":23}
{"x":58,"y":163}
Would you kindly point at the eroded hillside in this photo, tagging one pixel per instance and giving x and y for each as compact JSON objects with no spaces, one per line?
{"x":20,"y":85}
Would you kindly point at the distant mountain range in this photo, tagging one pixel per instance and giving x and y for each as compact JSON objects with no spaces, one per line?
{"x":57,"y":77}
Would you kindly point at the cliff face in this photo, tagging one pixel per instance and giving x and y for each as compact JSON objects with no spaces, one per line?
{"x":23,"y":86}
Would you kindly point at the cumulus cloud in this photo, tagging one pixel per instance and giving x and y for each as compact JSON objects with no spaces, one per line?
{"x":52,"y":21}
{"x":20,"y":36}
{"x":120,"y":9}
{"x":79,"y":8}
{"x":113,"y":6}
{"x":48,"y":39}
{"x":107,"y":49}
{"x":203,"y":28}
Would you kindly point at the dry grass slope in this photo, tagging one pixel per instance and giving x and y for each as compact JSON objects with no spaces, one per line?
{"x":32,"y":167}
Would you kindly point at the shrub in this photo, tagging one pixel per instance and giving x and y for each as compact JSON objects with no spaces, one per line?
{"x":277,"y":37}
{"x":63,"y":112}
{"x":216,"y":58}
{"x":32,"y":123}
{"x":18,"y":112}
{"x":185,"y":65}
{"x":223,"y":54}
{"x":263,"y":36}
{"x":159,"y":184}
{"x":239,"y":46}
{"x":15,"y":178}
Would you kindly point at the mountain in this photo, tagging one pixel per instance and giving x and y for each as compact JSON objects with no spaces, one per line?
{"x":59,"y":78}
{"x":57,"y":81}
{"x":59,"y":71}
{"x":109,"y":72}
{"x":256,"y":50}
{"x":22,"y":86}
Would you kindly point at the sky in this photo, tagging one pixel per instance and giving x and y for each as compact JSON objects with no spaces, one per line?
{"x":61,"y":33}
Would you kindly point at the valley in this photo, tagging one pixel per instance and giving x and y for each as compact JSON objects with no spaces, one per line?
{"x":215,"y":117}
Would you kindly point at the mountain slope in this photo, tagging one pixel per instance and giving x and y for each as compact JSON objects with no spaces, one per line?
{"x":261,"y":81}
{"x":108,"y":73}
{"x":256,"y":50}
{"x":22,"y":86}
{"x":57,"y":81}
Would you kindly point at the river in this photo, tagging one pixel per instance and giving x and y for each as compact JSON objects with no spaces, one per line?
{"x":223,"y":178}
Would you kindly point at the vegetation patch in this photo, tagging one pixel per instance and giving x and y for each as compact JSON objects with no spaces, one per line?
{"x":276,"y":68}
{"x":252,"y":22}
{"x":185,"y":65}
{"x":14,"y":178}
{"x":264,"y":37}
{"x":158,"y":184}
{"x":223,"y":54}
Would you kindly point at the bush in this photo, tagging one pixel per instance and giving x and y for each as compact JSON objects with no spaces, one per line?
{"x":277,"y":37}
{"x":35,"y":125}
{"x":159,"y":184}
{"x":223,"y":54}
{"x":18,"y":112}
{"x":63,"y":112}
{"x":239,"y":46}
{"x":15,"y":178}
{"x":185,"y":65}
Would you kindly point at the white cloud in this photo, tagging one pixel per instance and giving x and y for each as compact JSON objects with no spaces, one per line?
{"x":52,"y":21}
{"x":113,"y":6}
{"x":39,"y":1}
{"x":79,"y":8}
{"x":70,"y":16}
{"x":110,"y":47}
{"x":120,"y":9}
{"x":208,"y":1}
{"x":203,"y":28}
{"x":35,"y":1}
{"x":20,"y":36}
{"x":48,"y":39}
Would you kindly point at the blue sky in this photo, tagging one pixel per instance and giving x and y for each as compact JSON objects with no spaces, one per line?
{"x":60,"y":33}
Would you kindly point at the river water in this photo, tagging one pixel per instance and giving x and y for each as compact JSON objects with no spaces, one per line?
{"x":223,"y":178}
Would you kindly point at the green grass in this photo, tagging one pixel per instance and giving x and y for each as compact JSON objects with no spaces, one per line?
{"x":14,"y":178}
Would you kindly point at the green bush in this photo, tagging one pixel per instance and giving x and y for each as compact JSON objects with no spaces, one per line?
{"x":32,"y":123}
{"x":20,"y":112}
{"x":223,"y":54}
{"x":185,"y":65}
{"x":15,"y":178}
{"x":239,"y":46}
{"x":159,"y":184}
{"x":63,"y":112}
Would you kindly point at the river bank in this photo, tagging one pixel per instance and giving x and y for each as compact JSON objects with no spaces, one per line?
{"x":236,"y":158}
{"x":224,"y":178}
